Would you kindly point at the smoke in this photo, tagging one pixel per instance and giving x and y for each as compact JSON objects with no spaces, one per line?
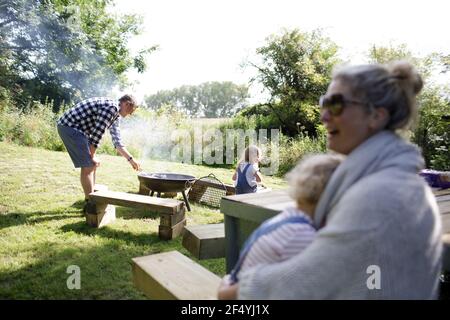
{"x":149,"y":135}
{"x":159,"y":137}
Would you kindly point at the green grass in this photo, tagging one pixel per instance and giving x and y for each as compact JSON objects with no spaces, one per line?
{"x":43,"y":232}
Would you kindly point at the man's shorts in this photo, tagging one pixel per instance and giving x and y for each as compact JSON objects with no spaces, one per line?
{"x":77,"y":145}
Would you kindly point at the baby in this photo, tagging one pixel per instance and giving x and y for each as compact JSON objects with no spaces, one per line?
{"x":291,"y":231}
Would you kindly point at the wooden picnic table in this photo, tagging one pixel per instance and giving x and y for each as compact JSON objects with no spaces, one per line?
{"x":244,"y":213}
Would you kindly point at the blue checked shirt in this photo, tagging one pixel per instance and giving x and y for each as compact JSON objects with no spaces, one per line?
{"x":92,"y":117}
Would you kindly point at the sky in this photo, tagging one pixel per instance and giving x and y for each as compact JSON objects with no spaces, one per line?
{"x":208,"y":40}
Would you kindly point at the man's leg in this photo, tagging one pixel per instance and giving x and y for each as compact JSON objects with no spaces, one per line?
{"x":87,"y":178}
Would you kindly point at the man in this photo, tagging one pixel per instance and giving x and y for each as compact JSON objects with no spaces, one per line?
{"x":82,"y":127}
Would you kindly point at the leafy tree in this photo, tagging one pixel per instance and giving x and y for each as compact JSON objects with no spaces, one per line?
{"x":295,"y":69}
{"x":65,"y":49}
{"x":432,"y":131}
{"x":209,"y":99}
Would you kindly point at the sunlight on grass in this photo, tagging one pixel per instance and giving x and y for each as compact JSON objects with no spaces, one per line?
{"x":42,"y":229}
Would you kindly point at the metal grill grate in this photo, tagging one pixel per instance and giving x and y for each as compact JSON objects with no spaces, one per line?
{"x":208,"y":190}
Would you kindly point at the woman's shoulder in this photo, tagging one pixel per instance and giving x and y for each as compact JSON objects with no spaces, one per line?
{"x":387,"y":195}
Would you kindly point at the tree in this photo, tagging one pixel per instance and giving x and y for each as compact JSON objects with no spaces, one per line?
{"x":209,"y":99}
{"x":295,"y":69}
{"x":65,"y":49}
{"x":432,"y":132}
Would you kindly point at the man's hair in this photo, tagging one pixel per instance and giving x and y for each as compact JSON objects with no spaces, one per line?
{"x":129,"y":98}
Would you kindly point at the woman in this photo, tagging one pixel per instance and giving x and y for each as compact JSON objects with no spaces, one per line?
{"x":381,"y":230}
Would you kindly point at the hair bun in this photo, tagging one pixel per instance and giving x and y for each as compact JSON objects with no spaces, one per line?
{"x":405,"y":71}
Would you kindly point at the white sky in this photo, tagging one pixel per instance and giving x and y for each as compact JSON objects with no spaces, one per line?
{"x":207,"y":40}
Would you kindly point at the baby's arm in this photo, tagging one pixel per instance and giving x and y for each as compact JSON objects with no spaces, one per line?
{"x":258,"y":176}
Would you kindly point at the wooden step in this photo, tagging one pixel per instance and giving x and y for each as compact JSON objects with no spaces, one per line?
{"x":206,"y":241}
{"x":172,"y":275}
{"x":169,"y":206}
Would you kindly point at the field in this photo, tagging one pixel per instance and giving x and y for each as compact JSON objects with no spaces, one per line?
{"x":43,"y":231}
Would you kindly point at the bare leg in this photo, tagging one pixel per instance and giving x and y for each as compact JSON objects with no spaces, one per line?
{"x":95,"y":171}
{"x":87,"y":178}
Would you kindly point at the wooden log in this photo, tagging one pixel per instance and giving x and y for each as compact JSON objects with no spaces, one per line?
{"x":205,"y":241}
{"x":171,"y":275}
{"x":169,"y":233}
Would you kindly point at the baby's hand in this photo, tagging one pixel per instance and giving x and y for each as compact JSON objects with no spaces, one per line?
{"x":227,"y":289}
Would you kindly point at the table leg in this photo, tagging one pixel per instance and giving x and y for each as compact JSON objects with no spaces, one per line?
{"x":231,"y":242}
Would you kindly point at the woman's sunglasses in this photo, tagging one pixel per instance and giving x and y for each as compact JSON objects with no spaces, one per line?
{"x":336,"y":103}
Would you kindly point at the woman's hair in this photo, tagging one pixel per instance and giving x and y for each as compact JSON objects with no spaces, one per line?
{"x":251,"y":154}
{"x":393,"y":86}
{"x":308,"y":178}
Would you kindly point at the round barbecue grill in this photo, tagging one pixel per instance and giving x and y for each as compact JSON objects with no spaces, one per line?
{"x":167,"y":182}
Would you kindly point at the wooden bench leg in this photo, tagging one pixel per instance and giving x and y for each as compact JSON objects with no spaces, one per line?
{"x":172,"y":225}
{"x":169,"y":233}
{"x":99,"y":214}
{"x":170,"y":220}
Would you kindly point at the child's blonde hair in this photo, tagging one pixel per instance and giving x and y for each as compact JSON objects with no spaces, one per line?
{"x":252,"y":154}
{"x":308,"y":178}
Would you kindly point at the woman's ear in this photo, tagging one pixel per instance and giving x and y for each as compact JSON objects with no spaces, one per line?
{"x":379,"y":118}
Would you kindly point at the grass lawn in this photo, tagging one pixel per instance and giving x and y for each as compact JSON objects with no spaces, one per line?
{"x":43,"y":231}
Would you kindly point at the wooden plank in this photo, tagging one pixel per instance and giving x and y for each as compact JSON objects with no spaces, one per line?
{"x":160,"y":205}
{"x":169,"y":233}
{"x":254,"y":212}
{"x":439,"y":192}
{"x":205,"y":241}
{"x":171,"y":275}
{"x":444,"y":207}
{"x":443,"y":198}
{"x":249,"y":197}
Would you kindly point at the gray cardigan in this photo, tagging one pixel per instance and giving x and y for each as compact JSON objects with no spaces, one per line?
{"x":381,"y":240}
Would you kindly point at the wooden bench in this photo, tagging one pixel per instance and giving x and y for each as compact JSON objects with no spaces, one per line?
{"x":172,"y":275}
{"x":102,"y":210}
{"x":205,"y":241}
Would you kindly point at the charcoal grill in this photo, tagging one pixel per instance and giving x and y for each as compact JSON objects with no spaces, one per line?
{"x":167,"y":182}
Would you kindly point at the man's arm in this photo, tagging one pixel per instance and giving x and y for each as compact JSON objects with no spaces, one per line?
{"x":124,"y":152}
{"x":114,"y":130}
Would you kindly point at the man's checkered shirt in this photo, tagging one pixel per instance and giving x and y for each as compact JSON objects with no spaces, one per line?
{"x":92,"y":117}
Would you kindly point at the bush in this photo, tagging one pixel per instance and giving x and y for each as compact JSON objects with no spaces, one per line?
{"x":432,"y":132}
{"x":292,"y":150}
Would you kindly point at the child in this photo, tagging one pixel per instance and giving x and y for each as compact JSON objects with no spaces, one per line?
{"x":292,"y":230}
{"x":247,"y":173}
